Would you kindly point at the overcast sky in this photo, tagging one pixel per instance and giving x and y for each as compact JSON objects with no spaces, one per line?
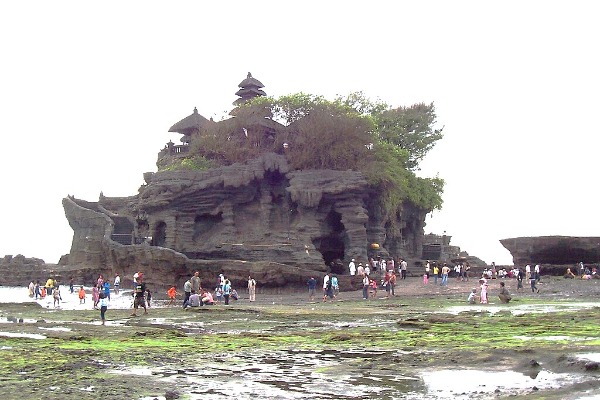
{"x":90,"y":89}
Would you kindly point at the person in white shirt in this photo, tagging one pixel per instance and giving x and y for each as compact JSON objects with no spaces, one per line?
{"x":352,"y":267}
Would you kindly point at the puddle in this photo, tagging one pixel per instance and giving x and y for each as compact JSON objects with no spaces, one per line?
{"x":57,"y":329}
{"x":555,"y":338}
{"x":22,"y":335}
{"x":519,"y":309}
{"x":298,"y":374}
{"x":469,"y":384}
{"x":589,"y":357}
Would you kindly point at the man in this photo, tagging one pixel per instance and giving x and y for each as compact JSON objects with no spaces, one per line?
{"x":187,"y":290}
{"x":445,"y":272}
{"x":139,"y":299}
{"x":312,"y":286}
{"x":366,"y":285}
{"x":403,"y":268}
{"x":196,"y":282}
{"x":504,"y":295}
{"x":251,"y":288}
{"x":325,"y":284}
{"x":352,"y":268}
{"x":117,"y":283}
{"x":194,"y":300}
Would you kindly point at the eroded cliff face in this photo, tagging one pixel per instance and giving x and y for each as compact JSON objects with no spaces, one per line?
{"x":555,"y":250}
{"x":257,"y":213}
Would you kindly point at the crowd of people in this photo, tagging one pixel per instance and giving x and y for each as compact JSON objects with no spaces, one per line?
{"x":376,"y":273}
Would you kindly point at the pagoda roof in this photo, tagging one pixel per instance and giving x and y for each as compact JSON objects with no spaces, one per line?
{"x":190,"y":123}
{"x":250,"y":92}
{"x":250,"y":81}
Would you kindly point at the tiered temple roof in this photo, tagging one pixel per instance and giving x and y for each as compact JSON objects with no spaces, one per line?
{"x":249,"y":89}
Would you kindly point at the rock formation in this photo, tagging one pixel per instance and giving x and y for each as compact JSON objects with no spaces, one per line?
{"x":553,"y":250}
{"x":259,"y":212}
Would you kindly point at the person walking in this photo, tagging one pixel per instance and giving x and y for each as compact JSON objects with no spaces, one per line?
{"x":366,"y":286}
{"x":532,"y":282}
{"x":187,"y":292}
{"x":312,"y":287}
{"x":251,"y":288}
{"x":226,"y":291}
{"x":103,"y":307}
{"x":117,"y":283}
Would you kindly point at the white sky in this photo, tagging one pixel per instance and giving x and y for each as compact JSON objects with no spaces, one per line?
{"x":89,"y":90}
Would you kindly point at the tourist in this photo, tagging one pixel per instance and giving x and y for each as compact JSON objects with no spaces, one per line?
{"x":425,"y":279}
{"x":71,"y":284}
{"x":100,"y":281}
{"x":117,"y":283}
{"x":537,"y":270}
{"x":367,"y":270}
{"x":31,"y":288}
{"x":374,"y":288}
{"x":193,"y":301}
{"x":312,"y":286}
{"x":472,"y":296}
{"x":219,"y":294}
{"x":226,"y":291}
{"x":207,"y":298}
{"x":436,"y":272}
{"x":172,"y":292}
{"x":95,"y":296}
{"x":527,"y":271}
{"x":360,"y":270}
{"x":139,"y":300}
{"x":403,"y":268}
{"x":252,"y":288}
{"x":335,"y":285}
{"x":483,"y":295}
{"x":56,"y":297}
{"x":326,"y":283}
{"x":81,"y":294}
{"x":234,"y":294}
{"x":328,"y":288}
{"x":148,"y":297}
{"x":569,"y":274}
{"x":519,"y":279}
{"x":532,"y":282}
{"x":427,"y":269}
{"x":196,"y":282}
{"x":392,"y":283}
{"x":49,"y":286}
{"x":504,"y":295}
{"x":445,"y":272}
{"x":352,"y":268}
{"x":103,"y":307}
{"x":366,"y":285}
{"x":36,"y":290}
{"x":391,"y":265}
{"x":187,"y":291}
{"x":107,"y":290}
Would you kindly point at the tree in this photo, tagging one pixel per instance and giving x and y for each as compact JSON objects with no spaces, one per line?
{"x":410,"y":128}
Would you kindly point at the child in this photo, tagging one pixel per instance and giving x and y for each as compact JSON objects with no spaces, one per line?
{"x":218,"y":294}
{"x":484,"y":285}
{"x":425,"y":279}
{"x":148,"y":297}
{"x":95,"y":296}
{"x":81,"y":295}
{"x":374,"y":287}
{"x":56,"y":296}
{"x":472,"y":296}
{"x":172,"y":292}
{"x":103,"y":306}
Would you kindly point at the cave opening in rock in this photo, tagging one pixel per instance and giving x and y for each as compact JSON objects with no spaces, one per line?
{"x":160,"y":234}
{"x":203,"y":224}
{"x":332,"y":244}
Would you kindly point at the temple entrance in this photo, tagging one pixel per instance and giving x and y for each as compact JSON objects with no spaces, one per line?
{"x":332,"y":244}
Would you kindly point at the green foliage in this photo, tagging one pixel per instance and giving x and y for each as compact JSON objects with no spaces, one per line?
{"x":350,"y":132}
{"x":195,"y":162}
{"x":410,"y":128}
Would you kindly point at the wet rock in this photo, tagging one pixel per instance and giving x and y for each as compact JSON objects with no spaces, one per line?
{"x":535,"y":388}
{"x":172,"y":394}
{"x":534,"y":363}
{"x":591,"y":366}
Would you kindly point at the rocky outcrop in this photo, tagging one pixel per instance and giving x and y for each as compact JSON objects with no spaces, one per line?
{"x":557,"y":250}
{"x":242,"y":218}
